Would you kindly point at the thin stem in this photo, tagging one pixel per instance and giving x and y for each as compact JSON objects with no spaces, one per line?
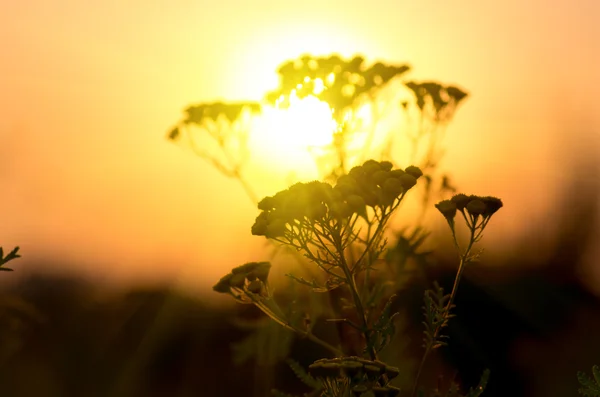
{"x":304,"y":334}
{"x":251,"y":195}
{"x":356,"y":297}
{"x":464,"y":258}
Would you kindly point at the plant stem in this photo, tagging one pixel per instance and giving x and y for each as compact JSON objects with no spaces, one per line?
{"x":464,"y":258}
{"x":356,"y":297}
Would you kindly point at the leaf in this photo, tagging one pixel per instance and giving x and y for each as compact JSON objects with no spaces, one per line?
{"x":437,"y":315}
{"x":330,"y":284}
{"x":384,"y":326}
{"x":5,"y":259}
{"x":590,"y":387}
{"x":304,"y":376}
{"x":483,"y":381}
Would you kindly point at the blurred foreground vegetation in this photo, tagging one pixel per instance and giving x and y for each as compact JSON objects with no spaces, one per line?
{"x":534,"y":328}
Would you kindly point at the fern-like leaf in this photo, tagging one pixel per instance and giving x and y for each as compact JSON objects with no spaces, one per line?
{"x":9,"y":257}
{"x":437,"y":315}
{"x":304,"y":376}
{"x":384,"y":326}
{"x":590,"y":386}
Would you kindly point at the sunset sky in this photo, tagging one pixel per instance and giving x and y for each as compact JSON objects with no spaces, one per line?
{"x":88,"y":91}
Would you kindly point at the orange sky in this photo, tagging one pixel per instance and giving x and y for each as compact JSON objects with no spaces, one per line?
{"x":89,"y":89}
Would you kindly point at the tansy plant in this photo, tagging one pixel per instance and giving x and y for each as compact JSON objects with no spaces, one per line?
{"x":340,"y":230}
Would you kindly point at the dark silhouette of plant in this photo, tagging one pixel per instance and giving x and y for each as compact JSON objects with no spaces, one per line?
{"x":340,"y":230}
{"x":9,"y":257}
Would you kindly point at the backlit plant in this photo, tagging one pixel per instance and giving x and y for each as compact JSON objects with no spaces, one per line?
{"x":340,"y":230}
{"x":338,"y":226}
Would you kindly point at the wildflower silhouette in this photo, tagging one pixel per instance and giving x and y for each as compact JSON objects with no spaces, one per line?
{"x":339,"y":229}
{"x":346,"y":86}
{"x":476,"y":212}
{"x":323,"y":222}
{"x":339,"y":222}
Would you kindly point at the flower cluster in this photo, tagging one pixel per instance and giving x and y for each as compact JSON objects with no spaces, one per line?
{"x":372,"y":184}
{"x":473,"y":206}
{"x":250,"y":277}
{"x":363,"y":375}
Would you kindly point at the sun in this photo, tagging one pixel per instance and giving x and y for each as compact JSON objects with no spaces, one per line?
{"x":285,"y":135}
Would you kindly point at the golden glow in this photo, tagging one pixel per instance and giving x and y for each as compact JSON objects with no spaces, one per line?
{"x":284,"y":135}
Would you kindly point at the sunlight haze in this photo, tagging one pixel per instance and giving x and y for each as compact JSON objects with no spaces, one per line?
{"x":89,"y":90}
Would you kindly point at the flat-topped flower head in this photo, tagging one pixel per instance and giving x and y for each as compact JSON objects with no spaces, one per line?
{"x":292,"y":210}
{"x":492,"y":204}
{"x":461,"y":200}
{"x":473,"y":206}
{"x":249,"y":276}
{"x":377,"y":183}
{"x":447,"y":208}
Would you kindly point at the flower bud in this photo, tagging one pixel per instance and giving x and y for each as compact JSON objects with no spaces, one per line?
{"x":461,"y":201}
{"x":352,"y":368}
{"x":340,"y":210}
{"x":476,"y":207}
{"x":275,"y":229}
{"x":357,"y":173}
{"x":408,"y":181}
{"x":370,"y":198}
{"x":392,"y":187}
{"x":380,"y":177}
{"x":357,"y":204}
{"x":397,"y":173}
{"x":267,"y":203}
{"x":386,"y":165}
{"x":447,"y":208}
{"x":324,"y":369}
{"x":370,"y":167}
{"x":345,"y":189}
{"x":492,"y":205}
{"x":223,"y":285}
{"x":262,"y":271}
{"x":260,"y":225}
{"x":414,"y":171}
{"x":237,"y":280}
{"x":255,"y":286}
